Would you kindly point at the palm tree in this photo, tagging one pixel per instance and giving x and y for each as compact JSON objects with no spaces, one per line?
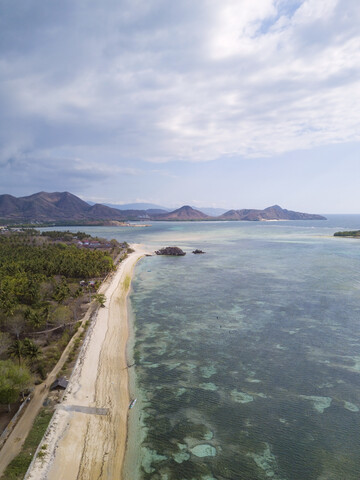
{"x":100,"y":298}
{"x":34,"y":317}
{"x":17,"y":350}
{"x":31,"y":349}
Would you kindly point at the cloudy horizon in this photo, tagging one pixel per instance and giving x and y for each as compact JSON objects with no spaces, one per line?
{"x":238,"y":104}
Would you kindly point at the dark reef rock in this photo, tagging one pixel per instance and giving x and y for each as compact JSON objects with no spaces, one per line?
{"x":197,"y":251}
{"x":174,"y":251}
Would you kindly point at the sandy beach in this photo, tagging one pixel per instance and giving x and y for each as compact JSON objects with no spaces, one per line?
{"x":86,"y":438}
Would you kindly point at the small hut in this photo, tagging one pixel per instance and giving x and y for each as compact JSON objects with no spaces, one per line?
{"x":59,"y":384}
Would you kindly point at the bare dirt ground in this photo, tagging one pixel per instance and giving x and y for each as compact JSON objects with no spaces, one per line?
{"x":86,"y":438}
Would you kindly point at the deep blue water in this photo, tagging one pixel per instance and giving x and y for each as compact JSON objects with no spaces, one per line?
{"x":247,"y":357}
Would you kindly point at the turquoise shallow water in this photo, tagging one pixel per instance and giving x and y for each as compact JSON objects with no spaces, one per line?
{"x":247,"y":357}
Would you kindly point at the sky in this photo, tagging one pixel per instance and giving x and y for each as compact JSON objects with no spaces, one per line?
{"x":231,"y":103}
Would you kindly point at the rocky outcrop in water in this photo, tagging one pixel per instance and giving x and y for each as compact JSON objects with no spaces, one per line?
{"x":174,"y":251}
{"x":197,"y":251}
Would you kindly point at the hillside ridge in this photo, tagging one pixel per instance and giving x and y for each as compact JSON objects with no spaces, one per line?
{"x":64,"y":206}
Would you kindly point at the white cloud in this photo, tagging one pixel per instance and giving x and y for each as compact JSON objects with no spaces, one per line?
{"x":312,"y":10}
{"x":235,"y":25}
{"x":192,"y":82}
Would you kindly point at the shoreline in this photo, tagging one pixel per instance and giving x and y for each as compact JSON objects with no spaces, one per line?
{"x":87,"y":435}
{"x":135,"y":427}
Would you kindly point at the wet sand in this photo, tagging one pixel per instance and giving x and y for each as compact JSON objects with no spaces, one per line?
{"x":87,"y":436}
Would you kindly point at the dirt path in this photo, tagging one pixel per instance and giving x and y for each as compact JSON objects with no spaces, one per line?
{"x":87,"y":435}
{"x":14,"y":442}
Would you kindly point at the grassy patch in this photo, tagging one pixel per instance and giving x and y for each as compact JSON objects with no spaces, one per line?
{"x":18,"y":467}
{"x":68,"y":365}
{"x":127,"y":282}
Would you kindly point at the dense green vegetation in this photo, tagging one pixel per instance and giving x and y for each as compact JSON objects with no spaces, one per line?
{"x":46,"y":280}
{"x":14,"y":379}
{"x":350,"y":233}
{"x":58,"y":223}
{"x":25,"y":264}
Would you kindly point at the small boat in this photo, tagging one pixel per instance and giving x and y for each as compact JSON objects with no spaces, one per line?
{"x":132,"y":403}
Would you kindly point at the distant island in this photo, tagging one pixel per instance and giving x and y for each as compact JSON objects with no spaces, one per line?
{"x":64,"y":208}
{"x":348,"y":234}
{"x":271,"y":213}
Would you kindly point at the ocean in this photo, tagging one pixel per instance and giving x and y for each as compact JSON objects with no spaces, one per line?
{"x":247,"y":358}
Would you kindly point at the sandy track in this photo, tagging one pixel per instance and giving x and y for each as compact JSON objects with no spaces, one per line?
{"x":86,"y":439}
{"x":14,"y":442}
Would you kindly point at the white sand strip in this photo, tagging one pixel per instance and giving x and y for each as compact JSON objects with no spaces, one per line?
{"x":79,"y":444}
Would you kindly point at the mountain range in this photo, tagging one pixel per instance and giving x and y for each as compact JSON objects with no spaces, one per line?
{"x":154,"y":209}
{"x":148,"y":207}
{"x":52,"y":207}
{"x":64,"y":206}
{"x":271,"y":213}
